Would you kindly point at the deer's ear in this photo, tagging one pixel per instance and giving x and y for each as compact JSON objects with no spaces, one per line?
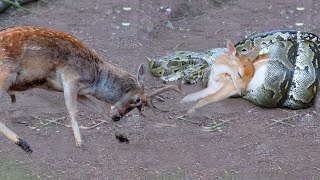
{"x":231,"y":49}
{"x":254,"y":53}
{"x":141,"y":74}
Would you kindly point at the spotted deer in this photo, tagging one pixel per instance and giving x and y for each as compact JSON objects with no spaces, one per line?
{"x":32,"y":57}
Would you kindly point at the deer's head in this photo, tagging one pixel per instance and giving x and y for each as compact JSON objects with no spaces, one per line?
{"x":137,"y":97}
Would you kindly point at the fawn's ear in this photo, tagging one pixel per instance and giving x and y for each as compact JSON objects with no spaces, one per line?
{"x":141,"y":74}
{"x":253,"y":53}
{"x":231,"y":49}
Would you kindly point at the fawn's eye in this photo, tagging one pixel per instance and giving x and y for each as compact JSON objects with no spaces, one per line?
{"x":137,"y":100}
{"x":240,"y":74}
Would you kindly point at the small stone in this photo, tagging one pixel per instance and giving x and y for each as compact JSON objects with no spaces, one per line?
{"x":300,"y":8}
{"x":299,"y":24}
{"x":125,"y":24}
{"x":127,"y":8}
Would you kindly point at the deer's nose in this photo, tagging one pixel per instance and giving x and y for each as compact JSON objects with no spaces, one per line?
{"x":116,"y":117}
{"x":115,"y":114}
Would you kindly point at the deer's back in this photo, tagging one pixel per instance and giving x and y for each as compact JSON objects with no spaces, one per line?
{"x":37,"y":55}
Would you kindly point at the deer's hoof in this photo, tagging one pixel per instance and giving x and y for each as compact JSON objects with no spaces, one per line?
{"x":80,"y":146}
{"x":24,"y":145}
{"x":122,"y":139}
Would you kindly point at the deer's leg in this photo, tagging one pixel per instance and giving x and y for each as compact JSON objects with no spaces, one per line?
{"x":15,"y":138}
{"x":70,"y":89}
{"x":12,"y":96}
{"x":6,"y":78}
{"x":97,"y":107}
{"x":226,"y":91}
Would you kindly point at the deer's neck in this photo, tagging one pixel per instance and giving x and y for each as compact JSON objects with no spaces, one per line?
{"x":113,"y":83}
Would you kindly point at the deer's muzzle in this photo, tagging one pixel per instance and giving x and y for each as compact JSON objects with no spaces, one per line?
{"x":115,"y":114}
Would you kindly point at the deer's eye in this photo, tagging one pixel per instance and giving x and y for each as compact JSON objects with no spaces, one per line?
{"x":137,"y":100}
{"x":240,"y":74}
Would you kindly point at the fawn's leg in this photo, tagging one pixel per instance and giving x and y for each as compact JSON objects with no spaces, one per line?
{"x":213,"y":86}
{"x":97,"y":107}
{"x":6,"y":78}
{"x":214,"y":83}
{"x":226,"y":91}
{"x":70,"y":89}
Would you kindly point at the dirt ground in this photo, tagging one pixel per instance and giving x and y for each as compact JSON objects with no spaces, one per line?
{"x":162,"y":146}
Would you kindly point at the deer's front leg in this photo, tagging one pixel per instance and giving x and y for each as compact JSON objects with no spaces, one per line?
{"x":92,"y":104}
{"x":6,"y":79}
{"x":71,"y":89}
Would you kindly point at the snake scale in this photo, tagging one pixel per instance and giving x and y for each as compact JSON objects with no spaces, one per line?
{"x":290,"y":79}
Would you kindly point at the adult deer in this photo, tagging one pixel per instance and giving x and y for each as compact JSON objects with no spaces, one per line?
{"x":32,"y":57}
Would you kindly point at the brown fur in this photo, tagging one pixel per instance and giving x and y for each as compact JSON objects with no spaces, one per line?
{"x":33,"y":57}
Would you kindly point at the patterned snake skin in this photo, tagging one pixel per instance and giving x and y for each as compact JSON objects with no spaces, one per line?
{"x":291,"y":77}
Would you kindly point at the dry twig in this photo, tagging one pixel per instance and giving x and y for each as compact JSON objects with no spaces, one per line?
{"x":187,"y":120}
{"x":55,"y":121}
{"x":281,"y":121}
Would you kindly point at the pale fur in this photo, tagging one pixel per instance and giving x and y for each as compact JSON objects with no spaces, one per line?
{"x":259,"y":75}
{"x":229,"y":76}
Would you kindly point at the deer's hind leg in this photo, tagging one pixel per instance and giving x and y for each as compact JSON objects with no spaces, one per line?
{"x":70,"y":90}
{"x":6,"y":79}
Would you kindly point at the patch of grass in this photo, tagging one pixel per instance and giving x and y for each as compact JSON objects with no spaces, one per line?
{"x":14,"y":171}
{"x":214,"y":126}
{"x":17,"y":5}
{"x":218,"y":124}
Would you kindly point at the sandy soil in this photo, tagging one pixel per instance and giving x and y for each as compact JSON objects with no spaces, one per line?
{"x":161,"y":146}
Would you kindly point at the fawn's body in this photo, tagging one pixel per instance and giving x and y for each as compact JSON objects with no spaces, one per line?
{"x":229,"y":76}
{"x":36,"y":57}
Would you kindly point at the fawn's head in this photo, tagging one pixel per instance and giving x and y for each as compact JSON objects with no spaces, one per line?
{"x":137,"y":98}
{"x":242,"y":61}
{"x":239,"y":65}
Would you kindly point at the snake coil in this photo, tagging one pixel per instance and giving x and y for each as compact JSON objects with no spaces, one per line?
{"x":291,"y":78}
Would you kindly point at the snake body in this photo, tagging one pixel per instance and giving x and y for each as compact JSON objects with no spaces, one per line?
{"x":187,"y":65}
{"x":291,"y":77}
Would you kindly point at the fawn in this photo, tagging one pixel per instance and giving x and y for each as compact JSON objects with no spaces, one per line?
{"x":32,"y":57}
{"x":229,"y":76}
